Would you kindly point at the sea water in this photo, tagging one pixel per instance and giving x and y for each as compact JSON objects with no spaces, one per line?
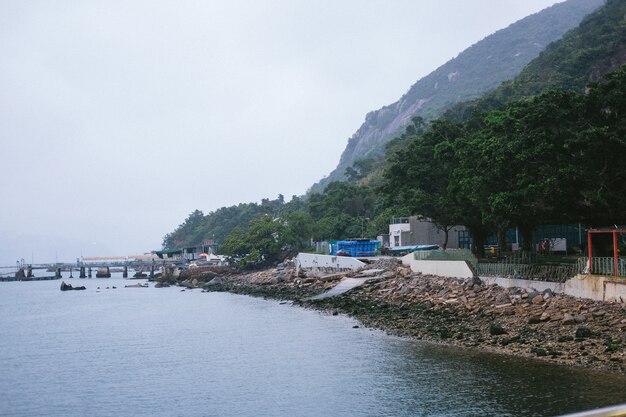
{"x":124,"y":351}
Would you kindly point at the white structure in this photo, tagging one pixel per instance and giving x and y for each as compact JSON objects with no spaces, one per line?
{"x":314,"y":261}
{"x":448,"y":269}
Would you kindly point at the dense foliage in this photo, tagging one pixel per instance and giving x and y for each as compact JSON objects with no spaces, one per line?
{"x":553,"y":158}
{"x":596,"y":47}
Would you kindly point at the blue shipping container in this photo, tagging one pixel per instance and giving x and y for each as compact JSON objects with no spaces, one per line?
{"x":355,"y":248}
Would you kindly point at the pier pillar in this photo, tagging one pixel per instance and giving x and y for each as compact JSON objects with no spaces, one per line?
{"x":89,"y":273}
{"x":71,"y":272}
{"x":152,"y":271}
{"x":125,"y":273}
{"x":58,"y":273}
{"x":82,"y":272}
{"x":29,"y":272}
{"x":20,"y":274}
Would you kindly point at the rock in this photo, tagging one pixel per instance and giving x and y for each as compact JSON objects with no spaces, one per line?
{"x":580,"y":318}
{"x":534,"y":319}
{"x":502,"y":298}
{"x":599,"y":313}
{"x":545,"y":316}
{"x":583,"y":332}
{"x":568,"y":319}
{"x":68,"y":287}
{"x":217,"y":281}
{"x":496,"y":329}
{"x":538,"y":299}
{"x":532,"y":295}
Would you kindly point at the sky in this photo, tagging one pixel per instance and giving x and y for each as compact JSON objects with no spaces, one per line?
{"x":119,"y":118}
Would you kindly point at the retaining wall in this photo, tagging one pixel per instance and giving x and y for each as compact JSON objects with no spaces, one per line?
{"x":327,"y":262}
{"x":450,"y":269}
{"x":594,"y":287}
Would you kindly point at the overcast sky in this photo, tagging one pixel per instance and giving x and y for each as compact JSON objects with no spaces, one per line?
{"x":119,"y":118}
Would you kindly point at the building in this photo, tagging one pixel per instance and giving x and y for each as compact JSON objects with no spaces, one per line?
{"x":411,"y":231}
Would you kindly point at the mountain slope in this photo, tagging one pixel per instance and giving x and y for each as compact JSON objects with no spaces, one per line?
{"x":584,"y":55}
{"x":480,"y":68}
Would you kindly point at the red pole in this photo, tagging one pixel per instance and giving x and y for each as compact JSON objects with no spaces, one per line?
{"x":615,"y":271}
{"x":589,"y":252}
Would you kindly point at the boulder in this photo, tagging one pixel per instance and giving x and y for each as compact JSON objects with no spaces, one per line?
{"x":583,"y":332}
{"x":496,"y":329}
{"x":568,"y":319}
{"x":217,"y":281}
{"x":68,"y":287}
{"x":580,"y":318}
{"x":537,"y":299}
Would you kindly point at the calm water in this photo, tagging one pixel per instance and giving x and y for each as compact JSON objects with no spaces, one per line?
{"x":163,"y":352}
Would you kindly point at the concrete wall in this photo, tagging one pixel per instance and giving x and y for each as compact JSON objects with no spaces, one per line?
{"x":540,"y":286}
{"x":594,"y":287}
{"x":326,"y":262}
{"x":452,"y":269}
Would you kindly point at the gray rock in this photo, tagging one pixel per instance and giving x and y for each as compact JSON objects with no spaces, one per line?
{"x":217,"y":281}
{"x":568,"y":319}
{"x":581,"y":318}
{"x":502,"y":298}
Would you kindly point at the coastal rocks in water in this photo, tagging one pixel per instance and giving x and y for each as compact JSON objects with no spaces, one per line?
{"x":161,"y":285}
{"x":138,"y":285}
{"x":68,"y":287}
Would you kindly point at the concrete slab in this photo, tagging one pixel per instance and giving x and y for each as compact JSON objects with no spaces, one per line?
{"x":343,"y":286}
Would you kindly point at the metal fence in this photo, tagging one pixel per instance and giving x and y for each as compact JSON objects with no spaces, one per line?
{"x":602,"y":266}
{"x":550,"y":273}
{"x":525,"y":266}
{"x":447,"y":255}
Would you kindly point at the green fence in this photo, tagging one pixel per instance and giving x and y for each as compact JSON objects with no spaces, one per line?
{"x":447,"y":255}
{"x":524,"y":266}
{"x":603,"y":266}
{"x":551,"y":273}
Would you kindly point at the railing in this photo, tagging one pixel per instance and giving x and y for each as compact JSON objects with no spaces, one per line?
{"x":550,"y":273}
{"x":525,"y":266}
{"x":447,"y":255}
{"x":602,"y":266}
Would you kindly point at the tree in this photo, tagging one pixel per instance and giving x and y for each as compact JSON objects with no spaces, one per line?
{"x":182,"y":236}
{"x":418,"y":177}
{"x":263,"y":239}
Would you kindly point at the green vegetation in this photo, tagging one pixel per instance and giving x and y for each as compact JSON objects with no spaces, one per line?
{"x":553,"y":158}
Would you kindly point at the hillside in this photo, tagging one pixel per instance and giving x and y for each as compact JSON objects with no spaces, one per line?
{"x":584,"y":55}
{"x":480,"y":68}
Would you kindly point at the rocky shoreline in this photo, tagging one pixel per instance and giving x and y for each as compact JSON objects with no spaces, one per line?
{"x":460,"y":312}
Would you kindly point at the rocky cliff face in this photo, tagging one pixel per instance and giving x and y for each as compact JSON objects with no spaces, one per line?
{"x":480,"y":68}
